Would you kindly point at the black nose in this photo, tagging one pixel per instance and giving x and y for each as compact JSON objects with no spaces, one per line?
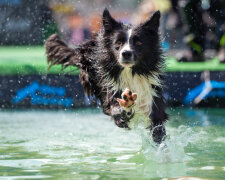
{"x":127,"y":55}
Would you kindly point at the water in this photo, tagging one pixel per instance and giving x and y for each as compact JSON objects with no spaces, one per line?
{"x":85,"y":144}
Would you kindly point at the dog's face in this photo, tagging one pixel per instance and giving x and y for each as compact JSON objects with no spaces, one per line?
{"x":132,"y":46}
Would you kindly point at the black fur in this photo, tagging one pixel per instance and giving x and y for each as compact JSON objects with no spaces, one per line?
{"x":98,"y":63}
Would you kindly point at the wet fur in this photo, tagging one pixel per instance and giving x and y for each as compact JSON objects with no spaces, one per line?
{"x":103,"y":76}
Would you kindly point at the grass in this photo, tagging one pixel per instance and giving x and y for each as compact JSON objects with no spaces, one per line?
{"x":32,"y":60}
{"x":28,"y":60}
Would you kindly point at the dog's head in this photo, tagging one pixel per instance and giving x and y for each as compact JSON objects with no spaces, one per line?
{"x":132,"y":46}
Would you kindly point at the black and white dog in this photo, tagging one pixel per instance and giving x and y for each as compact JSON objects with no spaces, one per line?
{"x":120,"y":57}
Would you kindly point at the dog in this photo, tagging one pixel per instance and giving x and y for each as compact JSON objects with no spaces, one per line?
{"x":120,"y":59}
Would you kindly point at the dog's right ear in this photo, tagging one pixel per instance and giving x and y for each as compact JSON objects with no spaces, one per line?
{"x":108,"y":22}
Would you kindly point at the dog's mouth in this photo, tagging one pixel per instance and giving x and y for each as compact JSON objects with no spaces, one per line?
{"x":127,"y":64}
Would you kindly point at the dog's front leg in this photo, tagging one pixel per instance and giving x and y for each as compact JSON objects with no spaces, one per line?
{"x":158,"y":117}
{"x":122,"y":109}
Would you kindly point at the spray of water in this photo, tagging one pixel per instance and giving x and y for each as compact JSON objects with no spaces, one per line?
{"x":172,"y":149}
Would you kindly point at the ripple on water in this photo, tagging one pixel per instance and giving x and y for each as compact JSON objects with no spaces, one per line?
{"x":88,"y":145}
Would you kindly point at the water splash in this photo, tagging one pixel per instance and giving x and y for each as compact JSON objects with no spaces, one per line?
{"x":171,"y":150}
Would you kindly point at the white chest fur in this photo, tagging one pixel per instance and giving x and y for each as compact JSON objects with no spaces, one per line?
{"x":140,"y":85}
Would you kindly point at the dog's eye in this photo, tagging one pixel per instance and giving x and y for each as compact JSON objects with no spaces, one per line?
{"x":119,"y":42}
{"x":138,"y":43}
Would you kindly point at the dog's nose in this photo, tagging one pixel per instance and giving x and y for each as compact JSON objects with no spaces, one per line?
{"x":127,"y":55}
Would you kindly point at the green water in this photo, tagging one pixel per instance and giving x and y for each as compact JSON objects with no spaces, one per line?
{"x":85,"y":144}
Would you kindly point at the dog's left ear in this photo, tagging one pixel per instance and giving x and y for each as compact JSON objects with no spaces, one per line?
{"x":153,"y":22}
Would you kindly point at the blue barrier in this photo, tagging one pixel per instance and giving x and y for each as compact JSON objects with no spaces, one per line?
{"x":217,"y":90}
{"x":39,"y":95}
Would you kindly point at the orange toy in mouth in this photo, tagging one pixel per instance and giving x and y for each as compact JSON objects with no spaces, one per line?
{"x":128,"y":99}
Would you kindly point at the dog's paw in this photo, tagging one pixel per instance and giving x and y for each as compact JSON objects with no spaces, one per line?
{"x":128,"y":99}
{"x":121,"y":117}
{"x":120,"y":122}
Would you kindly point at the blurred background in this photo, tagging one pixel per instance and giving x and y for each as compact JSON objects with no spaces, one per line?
{"x":49,"y":129}
{"x":196,"y":24}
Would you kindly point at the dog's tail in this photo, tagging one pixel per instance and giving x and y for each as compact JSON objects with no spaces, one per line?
{"x":59,"y":53}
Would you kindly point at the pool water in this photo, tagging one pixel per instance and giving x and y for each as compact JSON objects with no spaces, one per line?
{"x":85,"y":144}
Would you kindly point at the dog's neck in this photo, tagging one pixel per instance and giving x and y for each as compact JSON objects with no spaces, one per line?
{"x":141,"y":85}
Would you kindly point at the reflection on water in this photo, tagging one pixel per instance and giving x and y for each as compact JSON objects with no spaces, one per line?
{"x":86,"y":144}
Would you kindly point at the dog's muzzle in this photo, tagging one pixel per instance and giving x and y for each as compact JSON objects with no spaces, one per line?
{"x":127,"y":58}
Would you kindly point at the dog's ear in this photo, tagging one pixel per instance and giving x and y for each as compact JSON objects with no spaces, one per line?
{"x":153,"y":22}
{"x":108,"y":22}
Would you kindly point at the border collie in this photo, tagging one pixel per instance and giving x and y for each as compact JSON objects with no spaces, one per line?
{"x":120,"y":59}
